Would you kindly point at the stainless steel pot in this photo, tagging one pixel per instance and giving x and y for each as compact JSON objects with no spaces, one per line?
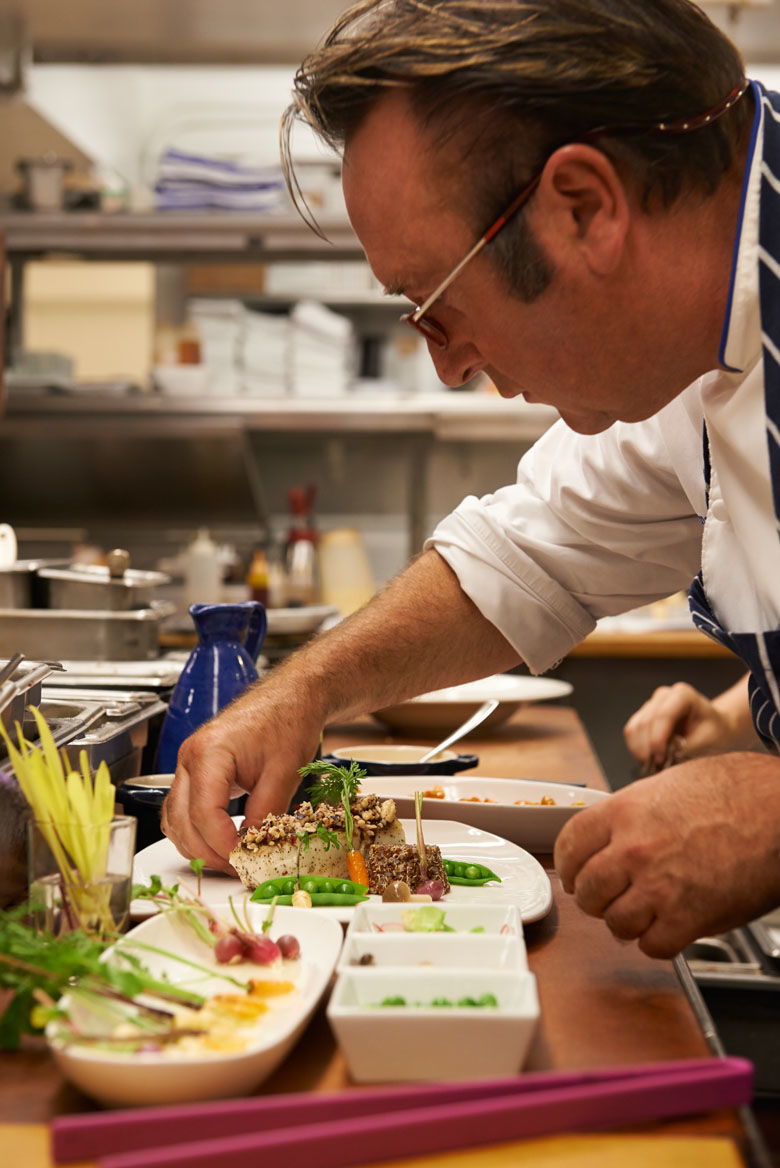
{"x":94,"y":587}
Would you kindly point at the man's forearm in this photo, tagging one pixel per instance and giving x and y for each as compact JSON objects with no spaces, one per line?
{"x":420,"y":633}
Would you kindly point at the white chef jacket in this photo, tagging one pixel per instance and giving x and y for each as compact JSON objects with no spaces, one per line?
{"x":600,"y":524}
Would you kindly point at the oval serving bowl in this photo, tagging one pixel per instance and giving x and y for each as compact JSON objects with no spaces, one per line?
{"x":135,"y":1080}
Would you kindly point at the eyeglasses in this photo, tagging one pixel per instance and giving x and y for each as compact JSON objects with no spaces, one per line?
{"x":432,"y":331}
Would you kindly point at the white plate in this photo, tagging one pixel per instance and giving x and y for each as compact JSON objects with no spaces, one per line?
{"x":524,"y":881}
{"x":176,"y":1077}
{"x":307,"y":619}
{"x":445,"y":709}
{"x":534,"y":827}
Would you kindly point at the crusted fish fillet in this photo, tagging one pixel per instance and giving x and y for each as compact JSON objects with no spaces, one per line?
{"x":271,"y":849}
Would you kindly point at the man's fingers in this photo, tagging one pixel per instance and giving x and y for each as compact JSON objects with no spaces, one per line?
{"x":629,"y":915}
{"x":195,"y":820}
{"x":271,"y":796}
{"x":585,"y":834}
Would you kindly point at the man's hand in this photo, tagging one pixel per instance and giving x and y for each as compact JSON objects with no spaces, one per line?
{"x":692,"y":851}
{"x":702,"y":726}
{"x":248,"y":742}
{"x":421,"y":632}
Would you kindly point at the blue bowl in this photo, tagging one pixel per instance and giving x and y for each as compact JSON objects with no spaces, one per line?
{"x":143,"y":797}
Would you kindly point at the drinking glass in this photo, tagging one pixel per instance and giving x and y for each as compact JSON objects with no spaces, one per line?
{"x":80,"y":876}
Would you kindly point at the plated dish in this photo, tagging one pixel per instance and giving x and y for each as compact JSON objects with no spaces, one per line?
{"x":446,"y":709}
{"x":179,"y":1075}
{"x":524,"y":881}
{"x":516,"y":810}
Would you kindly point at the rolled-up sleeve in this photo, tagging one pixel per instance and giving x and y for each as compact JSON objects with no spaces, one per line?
{"x":593,"y":526}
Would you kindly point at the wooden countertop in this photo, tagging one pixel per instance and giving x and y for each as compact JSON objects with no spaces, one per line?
{"x":603,"y":1003}
{"x":650,"y":643}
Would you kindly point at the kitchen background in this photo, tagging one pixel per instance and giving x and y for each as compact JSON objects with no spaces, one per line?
{"x":181,"y":350}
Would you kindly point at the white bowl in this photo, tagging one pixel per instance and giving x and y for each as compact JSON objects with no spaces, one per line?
{"x":190,"y":380}
{"x":511,"y":808}
{"x":442,"y":710}
{"x":175,"y":1077}
{"x":422,"y":1042}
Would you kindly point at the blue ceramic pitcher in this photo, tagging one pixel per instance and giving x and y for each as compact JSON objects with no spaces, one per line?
{"x":218,"y":669}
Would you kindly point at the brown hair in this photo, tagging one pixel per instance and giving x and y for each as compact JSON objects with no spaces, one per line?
{"x":535,"y":74}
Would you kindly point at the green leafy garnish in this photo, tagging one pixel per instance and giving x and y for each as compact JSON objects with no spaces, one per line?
{"x":329,"y":838}
{"x":336,"y":784}
{"x":197,"y":867}
{"x":37,"y":968}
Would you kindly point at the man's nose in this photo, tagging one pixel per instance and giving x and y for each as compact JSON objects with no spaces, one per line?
{"x":456,"y":363}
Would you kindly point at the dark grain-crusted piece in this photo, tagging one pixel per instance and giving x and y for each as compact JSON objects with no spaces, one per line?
{"x":387,"y":862}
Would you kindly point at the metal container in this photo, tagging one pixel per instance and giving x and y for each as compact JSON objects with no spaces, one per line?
{"x":20,"y":586}
{"x":110,"y":726}
{"x":22,"y":689}
{"x":93,"y":587}
{"x":80,"y":635}
{"x":738,"y":976}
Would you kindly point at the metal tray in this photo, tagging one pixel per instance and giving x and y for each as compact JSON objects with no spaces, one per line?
{"x":81,"y":634}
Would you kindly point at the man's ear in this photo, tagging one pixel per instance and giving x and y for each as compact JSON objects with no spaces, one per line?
{"x":582,"y":206}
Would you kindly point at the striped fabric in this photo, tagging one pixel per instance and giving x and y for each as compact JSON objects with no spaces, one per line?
{"x":760,"y":651}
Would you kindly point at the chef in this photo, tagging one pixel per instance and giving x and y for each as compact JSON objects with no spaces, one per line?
{"x":576,"y":208}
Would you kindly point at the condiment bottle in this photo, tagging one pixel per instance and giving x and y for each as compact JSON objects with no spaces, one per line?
{"x":301,"y":548}
{"x":203,"y":574}
{"x":257,"y":577}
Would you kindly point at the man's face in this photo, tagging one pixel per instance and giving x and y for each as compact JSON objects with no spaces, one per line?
{"x":568,"y":348}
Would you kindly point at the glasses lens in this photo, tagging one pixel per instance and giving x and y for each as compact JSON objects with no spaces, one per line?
{"x":432,"y":331}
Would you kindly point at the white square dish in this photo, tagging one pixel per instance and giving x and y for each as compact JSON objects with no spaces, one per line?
{"x":420,"y":1041}
{"x":442,"y":950}
{"x":375,"y":917}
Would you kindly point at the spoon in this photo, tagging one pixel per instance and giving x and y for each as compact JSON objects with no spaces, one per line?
{"x":484,"y":711}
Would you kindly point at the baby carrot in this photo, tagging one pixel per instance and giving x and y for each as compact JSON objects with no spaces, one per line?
{"x":356,"y":867}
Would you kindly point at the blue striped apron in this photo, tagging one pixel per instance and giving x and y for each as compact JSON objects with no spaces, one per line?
{"x":760,"y":651}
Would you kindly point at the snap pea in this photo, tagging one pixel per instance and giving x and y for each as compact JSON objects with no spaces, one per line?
{"x":467,"y":872}
{"x":318,"y":899}
{"x":309,"y":882}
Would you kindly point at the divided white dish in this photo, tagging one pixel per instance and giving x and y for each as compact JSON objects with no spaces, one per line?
{"x":135,"y":1080}
{"x":420,"y":1041}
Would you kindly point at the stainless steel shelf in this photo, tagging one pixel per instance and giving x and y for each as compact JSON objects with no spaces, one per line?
{"x":174,"y":235}
{"x":468,"y":417}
